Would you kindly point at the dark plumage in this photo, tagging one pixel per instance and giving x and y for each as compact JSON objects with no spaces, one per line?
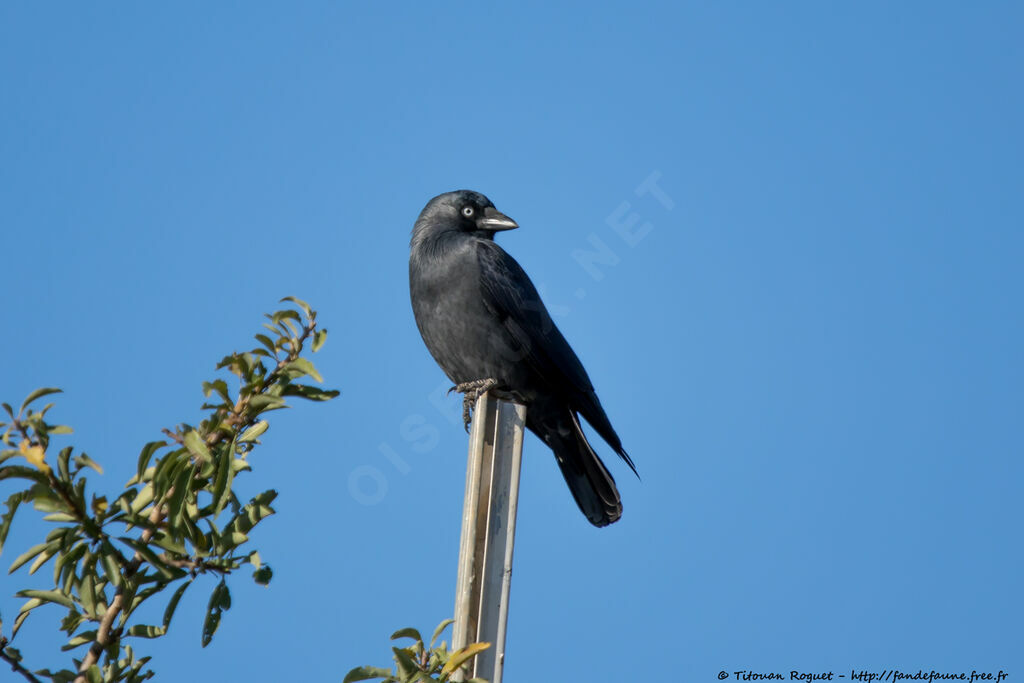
{"x":481,"y":318}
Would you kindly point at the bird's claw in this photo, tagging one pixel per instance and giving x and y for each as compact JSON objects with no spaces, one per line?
{"x":471,"y":391}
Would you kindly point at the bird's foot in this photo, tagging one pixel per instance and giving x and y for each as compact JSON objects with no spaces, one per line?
{"x":471,"y":391}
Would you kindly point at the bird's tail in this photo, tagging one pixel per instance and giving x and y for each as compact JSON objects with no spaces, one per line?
{"x":589,"y":480}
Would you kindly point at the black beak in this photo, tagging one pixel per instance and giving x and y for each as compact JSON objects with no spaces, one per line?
{"x":495,"y":220}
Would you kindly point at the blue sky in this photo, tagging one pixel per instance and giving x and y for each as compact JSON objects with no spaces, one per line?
{"x":812,"y":352}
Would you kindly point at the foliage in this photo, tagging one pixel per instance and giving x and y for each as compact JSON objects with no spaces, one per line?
{"x":178,"y":519}
{"x":420,"y":663}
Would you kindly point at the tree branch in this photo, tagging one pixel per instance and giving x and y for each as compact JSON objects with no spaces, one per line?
{"x":174,"y":436}
{"x":103,"y":637}
{"x":196,"y":566}
{"x":16,"y":666}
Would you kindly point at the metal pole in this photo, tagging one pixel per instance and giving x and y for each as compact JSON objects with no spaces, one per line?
{"x":488,"y":533}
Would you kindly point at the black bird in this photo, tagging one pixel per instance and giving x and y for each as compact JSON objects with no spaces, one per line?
{"x":484,"y":323}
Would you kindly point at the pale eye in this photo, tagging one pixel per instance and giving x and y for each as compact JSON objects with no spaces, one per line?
{"x":467,"y":211}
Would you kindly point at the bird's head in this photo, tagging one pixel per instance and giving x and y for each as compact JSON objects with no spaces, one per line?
{"x":460,"y":212}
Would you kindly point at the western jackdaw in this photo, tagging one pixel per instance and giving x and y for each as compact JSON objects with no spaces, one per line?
{"x":484,"y":323}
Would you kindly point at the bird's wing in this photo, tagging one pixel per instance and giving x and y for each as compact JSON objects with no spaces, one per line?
{"x":512,"y":298}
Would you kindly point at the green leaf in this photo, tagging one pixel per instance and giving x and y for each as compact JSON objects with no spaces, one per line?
{"x":65,"y":566}
{"x":12,"y":504}
{"x":267,"y":342}
{"x":310,"y":393}
{"x":220,"y":600}
{"x":176,"y":501}
{"x":83,"y":460}
{"x":407,"y":633}
{"x":144,"y":498}
{"x":71,"y":621}
{"x":225,"y":476}
{"x":47,"y":501}
{"x":272,"y":328}
{"x":52,"y":548}
{"x":196,"y":446}
{"x":169,"y":543}
{"x":300,"y":303}
{"x":406,"y":664}
{"x":173,"y":604}
{"x":27,"y":555}
{"x":87,"y":594}
{"x":134,"y":597}
{"x":302,"y":366}
{"x":30,"y":605}
{"x":23,"y":613}
{"x":94,"y":675}
{"x":111,"y":563}
{"x":61,"y":429}
{"x":462,"y":656}
{"x":285,"y":314}
{"x":38,"y":393}
{"x":319,"y":337}
{"x":167,"y":468}
{"x":201,"y":541}
{"x":55,"y":597}
{"x":79,"y":640}
{"x":253,"y":512}
{"x":147,"y":553}
{"x":261,"y":403}
{"x":63,"y":470}
{"x":147,"y":453}
{"x":60,"y":517}
{"x":366,"y":673}
{"x":288,"y":328}
{"x":22,"y":472}
{"x":253,"y":432}
{"x":439,"y":630}
{"x":146,"y":631}
{"x":220,"y":386}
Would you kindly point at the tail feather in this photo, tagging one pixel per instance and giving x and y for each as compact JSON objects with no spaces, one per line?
{"x":590,"y":408}
{"x":589,"y":480}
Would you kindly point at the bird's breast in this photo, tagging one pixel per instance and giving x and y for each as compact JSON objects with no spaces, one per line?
{"x":463,"y":335}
